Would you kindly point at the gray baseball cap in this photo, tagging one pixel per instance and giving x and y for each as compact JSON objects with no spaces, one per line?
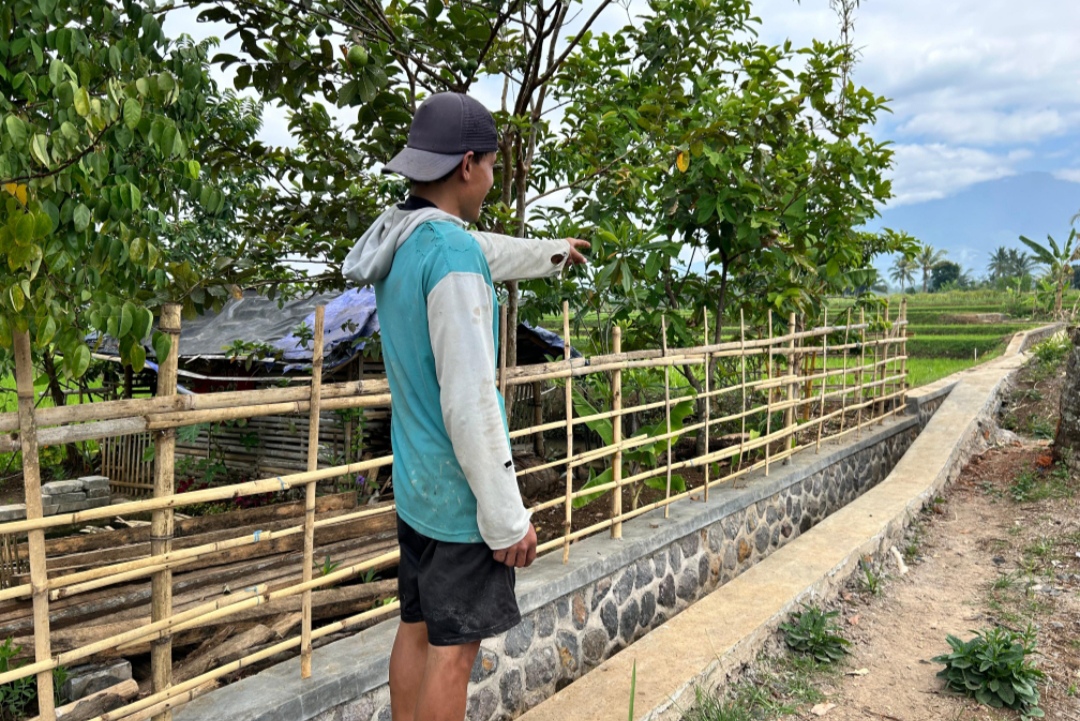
{"x":445,"y":127}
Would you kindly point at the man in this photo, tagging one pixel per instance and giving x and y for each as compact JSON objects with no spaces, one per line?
{"x":462,"y":526}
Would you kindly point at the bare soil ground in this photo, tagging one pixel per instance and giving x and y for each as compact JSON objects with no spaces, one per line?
{"x":1002,"y":547}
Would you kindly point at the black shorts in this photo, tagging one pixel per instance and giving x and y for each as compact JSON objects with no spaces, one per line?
{"x":458,"y":589}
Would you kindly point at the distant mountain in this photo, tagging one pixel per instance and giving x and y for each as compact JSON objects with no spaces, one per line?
{"x":975,"y":221}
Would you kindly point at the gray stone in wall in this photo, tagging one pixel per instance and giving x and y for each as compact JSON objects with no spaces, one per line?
{"x":540,"y":668}
{"x":519,"y":638}
{"x":761,"y":539}
{"x":97,"y":502}
{"x":97,"y":493}
{"x":579,"y":610}
{"x":675,"y":556}
{"x":643,"y":573}
{"x":647,"y":609}
{"x":545,"y":621}
{"x":62,"y":498}
{"x":485,"y":666}
{"x":625,"y":585}
{"x":659,"y":561}
{"x":666,"y":593}
{"x":609,"y":616}
{"x":71,"y":507}
{"x":687,"y":586}
{"x":49,"y":510}
{"x":600,"y":591}
{"x":482,"y":705}
{"x":593,"y":645}
{"x":628,"y":622}
{"x":566,"y":645}
{"x":511,"y":691}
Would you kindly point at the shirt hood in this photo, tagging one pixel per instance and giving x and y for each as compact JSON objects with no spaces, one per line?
{"x":373,"y":255}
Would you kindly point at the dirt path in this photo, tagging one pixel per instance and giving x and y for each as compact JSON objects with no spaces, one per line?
{"x":1001,"y":548}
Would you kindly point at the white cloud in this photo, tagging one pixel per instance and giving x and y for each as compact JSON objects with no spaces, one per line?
{"x":929,"y":172}
{"x":1072,"y":175}
{"x":988,"y":127}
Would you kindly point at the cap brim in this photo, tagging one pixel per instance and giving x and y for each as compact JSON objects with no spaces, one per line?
{"x":422,"y":165}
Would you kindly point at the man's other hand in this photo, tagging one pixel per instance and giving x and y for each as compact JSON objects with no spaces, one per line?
{"x":522,"y":553}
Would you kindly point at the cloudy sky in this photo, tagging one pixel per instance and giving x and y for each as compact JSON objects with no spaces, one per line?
{"x":980,"y":89}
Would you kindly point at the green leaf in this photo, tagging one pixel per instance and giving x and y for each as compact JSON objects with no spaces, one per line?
{"x":16,"y":130}
{"x":39,"y":148}
{"x":137,"y":356}
{"x":166,"y":82}
{"x":79,"y":361}
{"x":132,"y":113}
{"x":43,"y":224}
{"x":143,"y":322}
{"x":127,"y":317}
{"x":82,"y":102}
{"x":605,"y":477}
{"x":81,"y":218}
{"x":24,"y":229}
{"x":162,"y":346}
{"x":45,"y":331}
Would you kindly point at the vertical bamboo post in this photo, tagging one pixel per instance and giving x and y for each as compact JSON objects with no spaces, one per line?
{"x":314,"y":408}
{"x":824,"y":380}
{"x":538,"y":418}
{"x":790,"y":424}
{"x":879,"y":368}
{"x":862,"y":371}
{"x":39,"y":582}
{"x":667,"y":412}
{"x":616,"y":435}
{"x":843,"y":378}
{"x":568,"y":396}
{"x":768,"y":402}
{"x":502,"y":351}
{"x":708,"y":400}
{"x":161,"y":525}
{"x":742,"y":369}
{"x":903,"y":352}
{"x":883,"y":388}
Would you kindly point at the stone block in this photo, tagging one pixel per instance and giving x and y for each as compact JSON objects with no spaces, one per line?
{"x":68,"y":497}
{"x":54,"y":488}
{"x":97,"y":502}
{"x":540,"y":667}
{"x":13,"y":512}
{"x":94,"y":481}
{"x":50,"y":509}
{"x":545,"y":621}
{"x":487,"y":663}
{"x":519,"y":638}
{"x":72,"y":507}
{"x":511,"y":690}
{"x":91,"y":678}
{"x":98,"y":492}
{"x":482,"y":705}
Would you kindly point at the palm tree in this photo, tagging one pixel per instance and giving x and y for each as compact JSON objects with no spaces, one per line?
{"x":1000,"y":265}
{"x":1057,"y":260}
{"x":1021,"y":265}
{"x":926,"y":261}
{"x":903,"y":272}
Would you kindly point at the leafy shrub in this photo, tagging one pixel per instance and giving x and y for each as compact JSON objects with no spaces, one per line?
{"x":815,"y":632}
{"x":1052,"y":350}
{"x":18,"y":698}
{"x":994,"y":668}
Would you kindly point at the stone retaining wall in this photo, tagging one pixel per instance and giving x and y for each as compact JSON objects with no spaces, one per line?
{"x":609,"y":594}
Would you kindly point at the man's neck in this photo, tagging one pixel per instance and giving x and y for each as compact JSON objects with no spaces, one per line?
{"x":442,"y":200}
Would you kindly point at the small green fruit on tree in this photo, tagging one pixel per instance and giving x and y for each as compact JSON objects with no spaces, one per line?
{"x":358,"y":56}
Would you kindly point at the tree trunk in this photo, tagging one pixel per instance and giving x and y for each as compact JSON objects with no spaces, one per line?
{"x":72,"y":459}
{"x":1067,"y":439}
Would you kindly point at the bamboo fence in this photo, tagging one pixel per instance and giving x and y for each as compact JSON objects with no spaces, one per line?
{"x":779,"y":390}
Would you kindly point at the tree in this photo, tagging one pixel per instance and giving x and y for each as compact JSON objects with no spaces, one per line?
{"x":946,"y":274}
{"x":99,"y":113}
{"x":1000,"y":265}
{"x":928,"y":259}
{"x":1057,"y":260}
{"x":903,"y":272}
{"x":377,"y":60}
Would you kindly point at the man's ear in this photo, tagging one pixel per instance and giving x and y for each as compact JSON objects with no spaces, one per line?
{"x":467,"y":164}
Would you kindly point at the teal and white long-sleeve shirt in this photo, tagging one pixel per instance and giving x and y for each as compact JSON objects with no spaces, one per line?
{"x":454,"y":477}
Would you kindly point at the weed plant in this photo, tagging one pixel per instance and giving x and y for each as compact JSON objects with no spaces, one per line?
{"x":815,"y":633}
{"x":995,"y":668}
{"x":18,"y":698}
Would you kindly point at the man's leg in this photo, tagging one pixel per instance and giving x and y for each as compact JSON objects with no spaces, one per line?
{"x":446,"y":683}
{"x":408,"y":661}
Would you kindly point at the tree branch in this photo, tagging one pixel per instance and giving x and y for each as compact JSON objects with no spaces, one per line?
{"x":573,"y":43}
{"x":67,"y":163}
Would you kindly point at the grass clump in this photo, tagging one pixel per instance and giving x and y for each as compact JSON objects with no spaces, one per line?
{"x":774,"y":689}
{"x":995,"y":669}
{"x":815,"y":633}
